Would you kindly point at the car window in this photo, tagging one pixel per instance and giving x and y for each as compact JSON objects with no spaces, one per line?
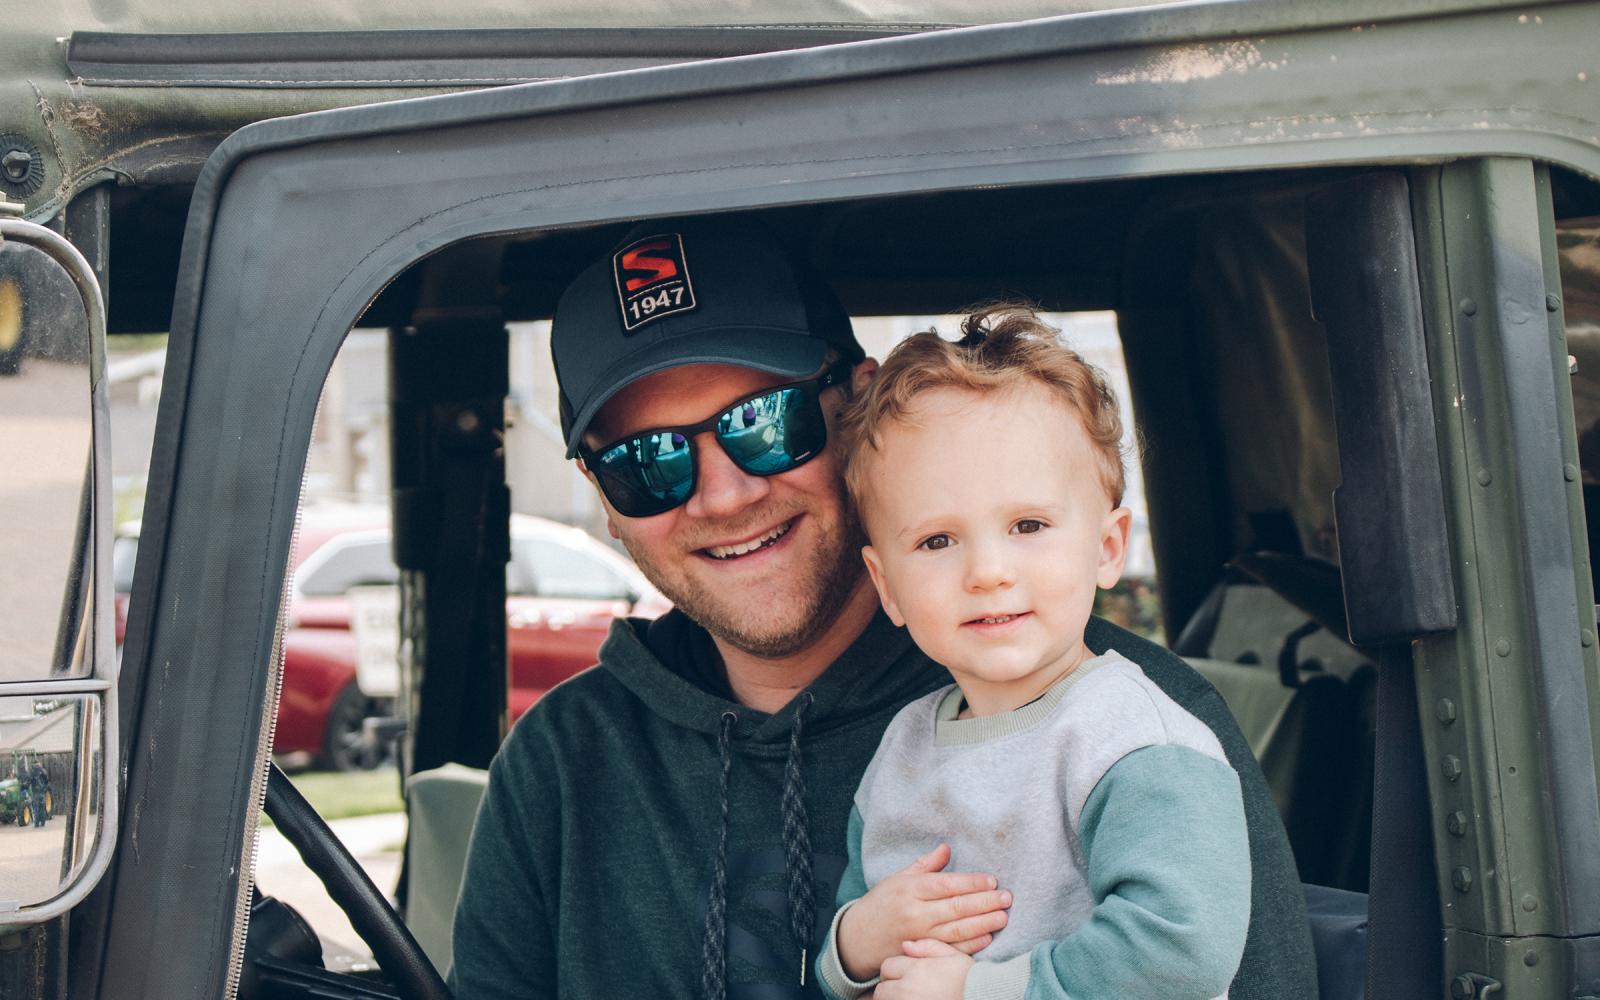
{"x":357,"y":564}
{"x":557,"y":570}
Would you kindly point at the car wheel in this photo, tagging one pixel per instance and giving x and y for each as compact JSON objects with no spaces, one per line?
{"x":346,"y":746}
{"x":25,"y":815}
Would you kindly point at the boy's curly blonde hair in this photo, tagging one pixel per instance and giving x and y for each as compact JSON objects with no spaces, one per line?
{"x":1001,"y":345}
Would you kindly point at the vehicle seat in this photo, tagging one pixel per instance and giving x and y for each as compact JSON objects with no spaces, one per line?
{"x":1314,"y":739}
{"x":441,"y":804}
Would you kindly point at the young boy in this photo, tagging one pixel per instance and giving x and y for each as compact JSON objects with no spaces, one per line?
{"x":988,"y":475}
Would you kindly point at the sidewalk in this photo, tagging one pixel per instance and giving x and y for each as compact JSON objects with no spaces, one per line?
{"x":375,"y":841}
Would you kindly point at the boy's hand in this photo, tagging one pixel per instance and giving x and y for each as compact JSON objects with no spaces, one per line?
{"x":929,"y":970}
{"x":959,"y":909}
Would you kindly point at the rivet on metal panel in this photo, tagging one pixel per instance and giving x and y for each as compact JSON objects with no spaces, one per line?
{"x":1586,"y":637}
{"x":1461,"y":878}
{"x":1468,"y":307}
{"x":1530,"y":959}
{"x":1456,"y":823}
{"x":1529,"y":904}
{"x":1451,"y":767}
{"x":1570,"y":471}
{"x":1552,"y":302}
{"x":1445,"y":711}
{"x":1484,"y":478}
{"x":1502,"y":646}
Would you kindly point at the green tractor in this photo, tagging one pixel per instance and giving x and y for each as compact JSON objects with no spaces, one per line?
{"x":12,"y":804}
{"x":17,"y":803}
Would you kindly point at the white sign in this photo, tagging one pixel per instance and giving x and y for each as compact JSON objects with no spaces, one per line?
{"x":375,"y":621}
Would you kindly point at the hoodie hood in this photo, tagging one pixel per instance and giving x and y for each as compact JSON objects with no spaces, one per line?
{"x":880,"y":671}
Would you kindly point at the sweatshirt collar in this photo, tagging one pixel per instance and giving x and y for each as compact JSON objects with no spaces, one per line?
{"x":881,"y":669}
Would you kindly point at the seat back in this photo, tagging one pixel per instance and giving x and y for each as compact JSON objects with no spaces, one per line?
{"x":441,"y":805}
{"x":1314,"y":740}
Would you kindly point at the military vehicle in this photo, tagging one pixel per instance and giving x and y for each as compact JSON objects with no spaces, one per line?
{"x":1354,"y":253}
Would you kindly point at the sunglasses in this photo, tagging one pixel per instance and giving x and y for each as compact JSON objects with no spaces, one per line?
{"x":769,"y":433}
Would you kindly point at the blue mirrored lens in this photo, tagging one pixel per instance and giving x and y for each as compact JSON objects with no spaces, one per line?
{"x":772,"y":433}
{"x":647,"y":474}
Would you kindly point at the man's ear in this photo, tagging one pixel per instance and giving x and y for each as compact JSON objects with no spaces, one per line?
{"x":862,"y":375}
{"x":875,"y":571}
{"x":1113,"y":547}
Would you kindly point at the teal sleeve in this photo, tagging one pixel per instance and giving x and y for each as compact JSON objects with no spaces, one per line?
{"x":1168,"y":858}
{"x":853,"y":883}
{"x":502,"y":939}
{"x":831,"y":977}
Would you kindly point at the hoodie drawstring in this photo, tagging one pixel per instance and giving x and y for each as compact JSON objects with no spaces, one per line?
{"x":796,"y":860}
{"x":797,"y":842}
{"x":714,"y":958}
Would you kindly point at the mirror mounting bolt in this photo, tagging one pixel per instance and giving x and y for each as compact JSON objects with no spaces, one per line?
{"x":21,"y":166}
{"x":16,"y":163}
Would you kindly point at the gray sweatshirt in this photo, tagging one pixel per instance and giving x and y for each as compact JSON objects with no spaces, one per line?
{"x":1107,"y":810}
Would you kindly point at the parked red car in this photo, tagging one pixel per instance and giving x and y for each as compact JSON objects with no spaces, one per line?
{"x":563,"y":590}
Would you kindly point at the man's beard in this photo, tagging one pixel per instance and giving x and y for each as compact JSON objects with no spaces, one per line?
{"x":827,"y":585}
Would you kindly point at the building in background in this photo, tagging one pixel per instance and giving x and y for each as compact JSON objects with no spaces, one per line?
{"x":349,"y":455}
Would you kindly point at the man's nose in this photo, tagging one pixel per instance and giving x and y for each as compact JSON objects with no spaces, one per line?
{"x":988,"y":567}
{"x":721,"y":487}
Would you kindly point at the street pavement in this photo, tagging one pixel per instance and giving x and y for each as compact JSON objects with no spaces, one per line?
{"x":30,"y":860}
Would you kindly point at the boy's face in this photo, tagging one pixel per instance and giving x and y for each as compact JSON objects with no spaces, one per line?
{"x":990,"y":532}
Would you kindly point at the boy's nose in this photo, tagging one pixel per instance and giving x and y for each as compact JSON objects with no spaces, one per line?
{"x":722,"y":489}
{"x":989,"y":569}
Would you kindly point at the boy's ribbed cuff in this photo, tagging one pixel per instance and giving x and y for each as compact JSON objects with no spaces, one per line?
{"x":1006,"y":980}
{"x":830,"y":970}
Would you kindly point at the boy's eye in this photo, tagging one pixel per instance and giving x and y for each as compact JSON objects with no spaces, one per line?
{"x":1028,"y":526}
{"x":935,"y":542}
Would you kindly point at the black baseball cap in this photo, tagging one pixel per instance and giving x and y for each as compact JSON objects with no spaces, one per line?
{"x":712,"y":290}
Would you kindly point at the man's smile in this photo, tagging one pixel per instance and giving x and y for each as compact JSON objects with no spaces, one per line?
{"x":756,"y":543}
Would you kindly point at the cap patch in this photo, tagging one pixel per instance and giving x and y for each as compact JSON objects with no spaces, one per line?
{"x":652,"y":280}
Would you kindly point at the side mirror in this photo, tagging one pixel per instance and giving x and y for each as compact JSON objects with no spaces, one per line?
{"x":58,"y":715}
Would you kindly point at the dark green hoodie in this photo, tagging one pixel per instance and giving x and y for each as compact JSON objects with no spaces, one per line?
{"x":592,"y":859}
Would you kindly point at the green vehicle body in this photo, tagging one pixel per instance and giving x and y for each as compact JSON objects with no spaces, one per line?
{"x":10,"y":800}
{"x":1153,"y":130}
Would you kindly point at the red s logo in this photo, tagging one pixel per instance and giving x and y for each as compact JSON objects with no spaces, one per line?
{"x":660,"y":268}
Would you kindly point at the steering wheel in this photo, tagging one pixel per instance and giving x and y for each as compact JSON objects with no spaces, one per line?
{"x":399,"y":956}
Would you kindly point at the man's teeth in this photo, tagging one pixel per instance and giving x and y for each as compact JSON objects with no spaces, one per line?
{"x":729,"y":551}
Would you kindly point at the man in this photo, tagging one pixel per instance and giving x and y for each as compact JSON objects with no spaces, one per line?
{"x":672,"y":823}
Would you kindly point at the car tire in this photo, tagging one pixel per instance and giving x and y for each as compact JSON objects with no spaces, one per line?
{"x":25,"y":814}
{"x":345,"y":744}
